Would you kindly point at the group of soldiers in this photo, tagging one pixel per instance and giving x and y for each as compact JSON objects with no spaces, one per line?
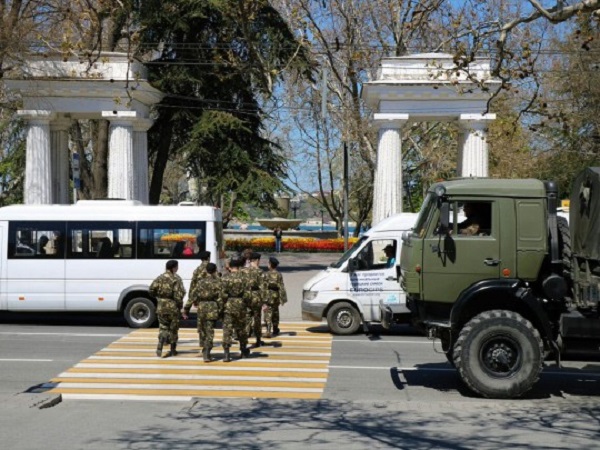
{"x":237,"y":299}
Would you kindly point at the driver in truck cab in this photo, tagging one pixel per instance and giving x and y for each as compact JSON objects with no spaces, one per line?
{"x":475,"y":221}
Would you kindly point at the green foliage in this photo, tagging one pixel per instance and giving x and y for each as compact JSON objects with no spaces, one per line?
{"x":12,"y":162}
{"x":220,"y":59}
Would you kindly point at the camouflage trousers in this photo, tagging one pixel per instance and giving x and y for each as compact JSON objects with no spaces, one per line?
{"x":254,"y":326}
{"x":208,"y":313}
{"x":168,"y":321}
{"x":235,"y":320}
{"x":272,"y":315}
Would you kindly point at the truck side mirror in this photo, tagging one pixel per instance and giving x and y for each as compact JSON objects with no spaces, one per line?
{"x":444,"y":218}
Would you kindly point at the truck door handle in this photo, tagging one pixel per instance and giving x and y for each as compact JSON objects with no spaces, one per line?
{"x":491,"y":262}
{"x":435,"y":248}
{"x":391,"y":279}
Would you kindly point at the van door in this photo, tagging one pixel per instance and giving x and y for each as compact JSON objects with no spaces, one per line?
{"x":469,"y":252}
{"x":375,"y":278}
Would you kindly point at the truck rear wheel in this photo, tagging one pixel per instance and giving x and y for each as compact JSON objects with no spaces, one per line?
{"x":343,"y":319}
{"x":499,"y":354}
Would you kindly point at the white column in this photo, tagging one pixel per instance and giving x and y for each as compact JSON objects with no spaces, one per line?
{"x":59,"y":131}
{"x":120,"y":154}
{"x":140,"y":159}
{"x":474,"y":152}
{"x":387,"y":195}
{"x":38,"y":161}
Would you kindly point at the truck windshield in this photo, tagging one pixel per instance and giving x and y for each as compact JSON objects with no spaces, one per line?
{"x":428,"y":204}
{"x":349,"y":253}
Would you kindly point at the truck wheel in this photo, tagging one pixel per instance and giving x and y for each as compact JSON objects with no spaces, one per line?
{"x":499,"y":354}
{"x":343,"y":319}
{"x":140,"y":312}
{"x":564,"y":246}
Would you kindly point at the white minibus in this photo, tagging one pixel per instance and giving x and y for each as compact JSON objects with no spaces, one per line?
{"x":100,"y":255}
{"x":348,"y":293}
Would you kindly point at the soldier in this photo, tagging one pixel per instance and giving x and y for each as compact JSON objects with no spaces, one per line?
{"x":237,"y":300}
{"x":275,"y":296}
{"x":206,"y":296}
{"x":200,"y":271}
{"x":257,"y":288}
{"x":168,"y":289}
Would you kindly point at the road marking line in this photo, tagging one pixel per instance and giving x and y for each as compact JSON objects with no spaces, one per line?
{"x":179,"y":387}
{"x":196,"y":360}
{"x":187,"y":376}
{"x":63,"y":334}
{"x":381,"y":342}
{"x":185,"y":397}
{"x":201,"y":367}
{"x":25,"y":360}
{"x":214,"y":381}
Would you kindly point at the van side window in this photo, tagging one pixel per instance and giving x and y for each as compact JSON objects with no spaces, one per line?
{"x":100,"y":240}
{"x":377,"y":255}
{"x":156,"y":242}
{"x":36,"y":240}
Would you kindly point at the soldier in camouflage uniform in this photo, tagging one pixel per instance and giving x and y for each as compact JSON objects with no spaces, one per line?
{"x":200,"y":271}
{"x":275,"y":296}
{"x":257,"y":288}
{"x":206,"y":296}
{"x":168,"y":289}
{"x":236,"y":293}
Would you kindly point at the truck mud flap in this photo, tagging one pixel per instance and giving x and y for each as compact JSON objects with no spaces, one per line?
{"x":387,"y":316}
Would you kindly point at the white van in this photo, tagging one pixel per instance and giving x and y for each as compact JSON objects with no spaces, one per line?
{"x":349,"y":291}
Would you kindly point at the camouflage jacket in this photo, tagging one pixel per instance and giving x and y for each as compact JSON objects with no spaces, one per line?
{"x":208,"y":289}
{"x":235,"y":285}
{"x":275,"y":288}
{"x":256,"y":283}
{"x":199,"y":273}
{"x":168,"y":286}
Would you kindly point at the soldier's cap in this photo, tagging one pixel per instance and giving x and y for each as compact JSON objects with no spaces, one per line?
{"x":273,"y":261}
{"x":254,"y":256}
{"x":211,"y":267}
{"x":236,"y":262}
{"x":204,"y":254}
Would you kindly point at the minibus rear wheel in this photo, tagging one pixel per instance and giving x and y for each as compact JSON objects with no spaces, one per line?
{"x":140,"y":312}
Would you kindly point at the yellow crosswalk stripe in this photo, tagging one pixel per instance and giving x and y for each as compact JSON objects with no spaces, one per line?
{"x":291,"y":365}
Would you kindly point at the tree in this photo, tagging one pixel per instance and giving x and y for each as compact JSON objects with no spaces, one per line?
{"x":220,"y":61}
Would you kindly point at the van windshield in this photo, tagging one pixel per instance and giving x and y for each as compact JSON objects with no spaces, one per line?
{"x":349,"y":253}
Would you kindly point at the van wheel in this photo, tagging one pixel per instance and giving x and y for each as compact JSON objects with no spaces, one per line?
{"x":499,"y":354}
{"x":343,"y":319}
{"x":140,"y":312}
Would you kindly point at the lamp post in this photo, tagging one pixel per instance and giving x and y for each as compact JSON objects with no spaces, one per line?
{"x":322,"y":212}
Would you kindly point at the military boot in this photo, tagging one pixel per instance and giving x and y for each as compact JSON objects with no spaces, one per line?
{"x":207,"y":357}
{"x":226,"y":355}
{"x":245,"y":352}
{"x":173,"y":349}
{"x":258,"y":342}
{"x":159,"y":348}
{"x":275,"y":330}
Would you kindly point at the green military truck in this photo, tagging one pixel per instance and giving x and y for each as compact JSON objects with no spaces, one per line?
{"x":509,"y":286}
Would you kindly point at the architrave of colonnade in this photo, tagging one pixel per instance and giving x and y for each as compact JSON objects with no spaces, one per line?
{"x":55,"y":92}
{"x":424,"y":87}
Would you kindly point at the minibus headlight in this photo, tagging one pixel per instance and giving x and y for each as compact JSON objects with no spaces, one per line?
{"x":309,"y":295}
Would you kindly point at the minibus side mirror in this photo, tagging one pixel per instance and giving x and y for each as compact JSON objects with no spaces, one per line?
{"x":352,"y":264}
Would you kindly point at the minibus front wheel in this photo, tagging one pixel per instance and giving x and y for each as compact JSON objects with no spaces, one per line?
{"x":140,"y":312}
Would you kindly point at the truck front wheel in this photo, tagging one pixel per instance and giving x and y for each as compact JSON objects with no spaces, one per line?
{"x":499,"y":354}
{"x":343,"y":319}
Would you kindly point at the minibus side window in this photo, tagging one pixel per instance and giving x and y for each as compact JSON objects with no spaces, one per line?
{"x":164,"y":240}
{"x":36,"y":240}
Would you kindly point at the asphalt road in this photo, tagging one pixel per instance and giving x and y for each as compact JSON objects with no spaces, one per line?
{"x":384,"y":390}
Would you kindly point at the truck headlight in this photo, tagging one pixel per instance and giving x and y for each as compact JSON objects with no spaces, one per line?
{"x":309,"y":295}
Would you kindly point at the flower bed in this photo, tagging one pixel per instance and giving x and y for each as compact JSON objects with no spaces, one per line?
{"x":311,"y":245}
